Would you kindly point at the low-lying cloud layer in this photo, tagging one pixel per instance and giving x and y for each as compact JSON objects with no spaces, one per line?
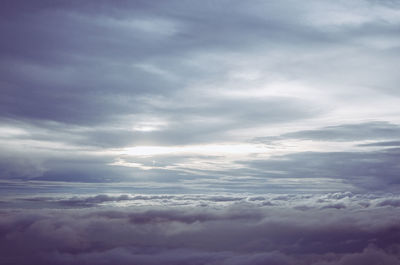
{"x":331,"y":229}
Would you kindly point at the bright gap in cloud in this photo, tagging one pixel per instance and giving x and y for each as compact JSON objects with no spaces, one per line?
{"x":209,"y":149}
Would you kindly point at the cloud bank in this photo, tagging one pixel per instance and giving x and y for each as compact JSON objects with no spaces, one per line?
{"x":206,"y":230}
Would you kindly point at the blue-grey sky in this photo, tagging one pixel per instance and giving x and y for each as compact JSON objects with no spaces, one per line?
{"x":200,"y":132}
{"x":194,"y":96}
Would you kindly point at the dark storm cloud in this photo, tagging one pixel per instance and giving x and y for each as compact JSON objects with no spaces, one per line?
{"x":243,"y":233}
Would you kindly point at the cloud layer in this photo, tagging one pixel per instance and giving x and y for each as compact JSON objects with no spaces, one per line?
{"x":331,"y":229}
{"x":196,"y":95}
{"x":199,"y":132}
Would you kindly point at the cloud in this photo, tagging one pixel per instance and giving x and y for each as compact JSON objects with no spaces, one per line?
{"x":334,"y":206}
{"x":274,"y":97}
{"x":81,"y":83}
{"x":347,"y":132}
{"x":390,"y":202}
{"x":93,"y":64}
{"x":383,"y":144}
{"x":369,"y":170}
{"x":97,"y":78}
{"x":338,"y":200}
{"x":374,"y":170}
{"x":241,"y":233}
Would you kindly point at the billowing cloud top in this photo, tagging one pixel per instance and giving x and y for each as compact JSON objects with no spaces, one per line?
{"x":199,"y":96}
{"x":330,"y":229}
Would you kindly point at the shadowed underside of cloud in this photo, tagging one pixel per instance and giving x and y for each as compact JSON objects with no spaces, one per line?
{"x":369,"y":170}
{"x":243,"y":232}
{"x":346,"y":132}
{"x":95,"y":64}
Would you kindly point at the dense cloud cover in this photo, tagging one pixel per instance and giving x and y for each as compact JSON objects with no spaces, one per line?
{"x":331,"y":229}
{"x":199,"y":132}
{"x":209,"y":95}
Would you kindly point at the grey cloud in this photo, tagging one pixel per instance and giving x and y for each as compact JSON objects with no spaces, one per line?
{"x":383,"y":144}
{"x":238,"y":234}
{"x":366,"y":170}
{"x":103,"y":199}
{"x":84,"y":96}
{"x":346,"y":132}
{"x":370,"y":255}
{"x":24,"y":168}
{"x":390,"y":202}
{"x":375,"y":170}
{"x":339,"y":200}
{"x":83,"y":74}
{"x":181,"y":256}
{"x":198,"y":122}
{"x":257,"y":198}
{"x":83,"y":89}
{"x":88,"y":201}
{"x":334,"y":206}
{"x":192,"y":122}
{"x":76,"y":64}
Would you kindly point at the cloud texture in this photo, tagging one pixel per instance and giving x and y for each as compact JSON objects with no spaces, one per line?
{"x":199,"y":95}
{"x":199,"y":132}
{"x":228,"y":229}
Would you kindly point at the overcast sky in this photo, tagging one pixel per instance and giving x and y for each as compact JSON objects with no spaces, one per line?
{"x":194,"y":96}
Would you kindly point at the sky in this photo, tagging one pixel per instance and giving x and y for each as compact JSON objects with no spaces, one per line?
{"x":200,"y":132}
{"x":192,"y":96}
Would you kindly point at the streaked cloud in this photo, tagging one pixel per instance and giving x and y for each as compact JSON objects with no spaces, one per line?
{"x":200,"y":94}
